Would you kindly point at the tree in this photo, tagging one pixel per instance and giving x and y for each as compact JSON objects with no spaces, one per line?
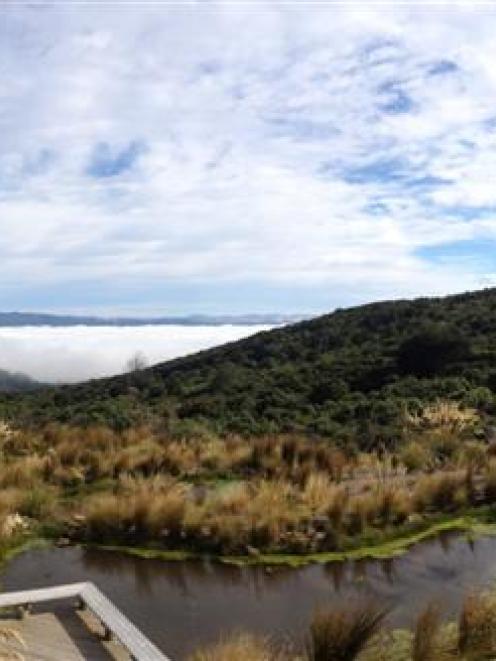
{"x":432,"y":351}
{"x":137,"y":362}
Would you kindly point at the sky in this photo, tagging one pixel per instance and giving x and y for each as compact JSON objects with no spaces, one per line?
{"x":238,"y":157}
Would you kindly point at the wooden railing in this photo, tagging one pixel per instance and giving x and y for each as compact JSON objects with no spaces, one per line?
{"x":88,"y":595}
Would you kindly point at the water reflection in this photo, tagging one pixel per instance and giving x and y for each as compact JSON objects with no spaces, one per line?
{"x":183,"y":604}
{"x":388,"y":569}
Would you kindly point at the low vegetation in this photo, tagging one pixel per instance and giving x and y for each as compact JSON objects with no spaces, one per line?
{"x":242,"y":646}
{"x":362,"y":634}
{"x":349,"y":376}
{"x":232,"y":496}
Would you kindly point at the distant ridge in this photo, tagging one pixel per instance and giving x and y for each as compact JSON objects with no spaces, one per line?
{"x":13,"y":319}
{"x":350,"y":376}
{"x":15,"y":382}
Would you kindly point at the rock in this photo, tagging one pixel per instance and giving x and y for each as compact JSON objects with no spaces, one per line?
{"x":320,"y":523}
{"x":63,"y":542}
{"x":252,"y":551}
{"x":415,"y":518}
{"x":13,"y":523}
{"x":79,"y":518}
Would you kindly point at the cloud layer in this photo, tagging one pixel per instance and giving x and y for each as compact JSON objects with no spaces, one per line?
{"x":312,"y":149}
{"x":81,"y":352}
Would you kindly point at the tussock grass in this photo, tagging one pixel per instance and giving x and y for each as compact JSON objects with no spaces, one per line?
{"x":416,"y":456}
{"x":341,"y":635}
{"x":441,"y":492}
{"x":231,"y":495}
{"x":239,"y":647}
{"x":426,"y":645}
{"x":442,"y":414}
{"x":359,"y":634}
{"x":490,"y":482}
{"x":319,"y":493}
{"x":139,"y":508}
{"x":477,"y":626}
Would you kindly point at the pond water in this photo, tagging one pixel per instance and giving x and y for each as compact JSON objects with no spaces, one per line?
{"x":181,"y":605}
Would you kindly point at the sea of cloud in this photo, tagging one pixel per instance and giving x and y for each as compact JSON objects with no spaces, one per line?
{"x":71,"y":354}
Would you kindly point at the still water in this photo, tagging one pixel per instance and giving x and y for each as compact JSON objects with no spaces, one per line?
{"x":181,"y":605}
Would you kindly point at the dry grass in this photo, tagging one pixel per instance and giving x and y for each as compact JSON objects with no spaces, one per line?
{"x":9,"y":640}
{"x":10,"y":500}
{"x":319,"y":493}
{"x":443,"y":414}
{"x":416,"y":456}
{"x":358,"y":634}
{"x":477,"y":626}
{"x":342,"y":635}
{"x":337,"y":507}
{"x":239,"y":647}
{"x":139,"y":508}
{"x":285,"y":493}
{"x":441,"y":492}
{"x":26,"y":472}
{"x":99,"y":452}
{"x":426,"y":644}
{"x":490,"y":482}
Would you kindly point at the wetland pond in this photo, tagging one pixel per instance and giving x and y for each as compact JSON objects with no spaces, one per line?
{"x":181,"y":605}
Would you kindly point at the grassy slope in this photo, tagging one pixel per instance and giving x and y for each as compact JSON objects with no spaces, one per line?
{"x":337,"y":375}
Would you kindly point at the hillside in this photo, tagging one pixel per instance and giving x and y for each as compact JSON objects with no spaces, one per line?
{"x":349,"y":375}
{"x":15,"y":382}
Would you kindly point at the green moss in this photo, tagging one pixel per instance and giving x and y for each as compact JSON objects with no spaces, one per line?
{"x":148,"y":553}
{"x":475,"y":523}
{"x":387,"y":549}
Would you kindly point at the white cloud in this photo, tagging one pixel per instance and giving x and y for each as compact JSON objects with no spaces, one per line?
{"x":78,"y":353}
{"x":280,"y":144}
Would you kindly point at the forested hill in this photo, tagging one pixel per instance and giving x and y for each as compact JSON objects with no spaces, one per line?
{"x":349,"y":375}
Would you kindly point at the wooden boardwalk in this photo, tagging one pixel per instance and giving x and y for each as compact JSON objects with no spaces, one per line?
{"x":114,"y":622}
{"x":60,"y":634}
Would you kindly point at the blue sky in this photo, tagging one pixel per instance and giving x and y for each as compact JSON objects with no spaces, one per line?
{"x":234,"y":157}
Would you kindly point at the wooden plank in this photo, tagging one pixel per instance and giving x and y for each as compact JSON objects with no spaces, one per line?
{"x":43,"y":594}
{"x":117,"y":623}
{"x":114,"y":622}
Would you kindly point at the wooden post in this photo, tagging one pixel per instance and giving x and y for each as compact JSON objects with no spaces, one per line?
{"x":80,"y":604}
{"x":107,"y":633}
